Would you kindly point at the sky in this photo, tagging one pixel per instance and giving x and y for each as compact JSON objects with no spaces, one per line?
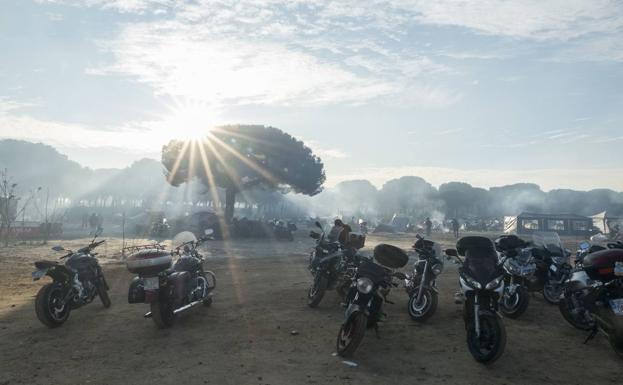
{"x":488,"y":92}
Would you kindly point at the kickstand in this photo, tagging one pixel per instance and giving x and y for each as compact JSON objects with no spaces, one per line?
{"x":591,"y":336}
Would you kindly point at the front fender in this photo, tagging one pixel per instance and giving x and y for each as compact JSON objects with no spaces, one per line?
{"x":354,"y":309}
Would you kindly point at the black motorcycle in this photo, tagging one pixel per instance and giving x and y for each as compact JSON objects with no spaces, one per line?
{"x":592,"y":298}
{"x":170,"y":291}
{"x":481,"y":279}
{"x":75,"y":283}
{"x":520,"y":275}
{"x":552,"y":265}
{"x":332,"y":265}
{"x":421,"y":286}
{"x":368,"y":293}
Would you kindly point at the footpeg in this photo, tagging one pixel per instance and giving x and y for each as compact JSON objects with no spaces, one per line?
{"x":591,"y":336}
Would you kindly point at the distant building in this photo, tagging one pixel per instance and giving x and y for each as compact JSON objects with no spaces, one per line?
{"x":563,"y":224}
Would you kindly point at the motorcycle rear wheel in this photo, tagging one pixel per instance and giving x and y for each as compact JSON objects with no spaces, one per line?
{"x":351,"y":334}
{"x":317,"y":290}
{"x":162,"y":314}
{"x":565,"y":308}
{"x":102,"y":291}
{"x":487,"y":348}
{"x":49,"y":307}
{"x":516,"y":305}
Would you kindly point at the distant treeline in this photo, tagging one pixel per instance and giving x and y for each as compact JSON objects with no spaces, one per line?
{"x":143,"y":183}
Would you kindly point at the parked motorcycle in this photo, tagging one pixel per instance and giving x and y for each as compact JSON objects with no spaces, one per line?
{"x":519,"y":275}
{"x":481,"y":278}
{"x":368,"y":293}
{"x":421,"y":286}
{"x":332,"y":265}
{"x":171,"y":291}
{"x":75,"y":284}
{"x":552,"y":265}
{"x":592,"y":298}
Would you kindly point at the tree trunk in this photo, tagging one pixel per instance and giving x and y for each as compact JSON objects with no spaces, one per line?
{"x":230,"y":202}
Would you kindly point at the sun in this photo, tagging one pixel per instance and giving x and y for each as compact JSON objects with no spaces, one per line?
{"x":187,"y":121}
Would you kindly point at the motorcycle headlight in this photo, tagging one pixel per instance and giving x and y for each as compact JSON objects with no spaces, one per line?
{"x":437,"y":268}
{"x":364,"y":285}
{"x":495,"y":283}
{"x":559,"y":260}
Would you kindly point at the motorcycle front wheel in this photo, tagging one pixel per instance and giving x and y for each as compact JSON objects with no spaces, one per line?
{"x":513,"y":306}
{"x":552,"y":292}
{"x":102,"y":291}
{"x":489,"y":346}
{"x":162,"y":314}
{"x":317,"y":290}
{"x":423,"y":309}
{"x":351,"y":334}
{"x":49,"y":305}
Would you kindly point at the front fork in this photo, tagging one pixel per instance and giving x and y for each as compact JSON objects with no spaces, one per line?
{"x":476,"y":316}
{"x":422,"y":283}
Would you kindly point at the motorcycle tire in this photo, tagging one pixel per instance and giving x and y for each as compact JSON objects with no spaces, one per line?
{"x":487,"y":348}
{"x":426,"y":307}
{"x":102,"y":291}
{"x":551,"y":297}
{"x":565,"y":307}
{"x":47,"y":306}
{"x":162,"y":314}
{"x":615,"y":336}
{"x":351,"y":334}
{"x":317,"y":290}
{"x":515,"y":306}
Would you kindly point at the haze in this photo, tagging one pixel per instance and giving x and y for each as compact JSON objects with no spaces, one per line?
{"x":488,"y":92}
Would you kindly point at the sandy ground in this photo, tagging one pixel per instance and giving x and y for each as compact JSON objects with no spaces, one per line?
{"x":245,"y":337}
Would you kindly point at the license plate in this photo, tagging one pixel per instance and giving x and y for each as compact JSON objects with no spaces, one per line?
{"x":617,"y":306}
{"x":553,"y":268}
{"x":526,"y":270}
{"x":618,"y":269}
{"x":38,"y":274}
{"x":151,"y":283}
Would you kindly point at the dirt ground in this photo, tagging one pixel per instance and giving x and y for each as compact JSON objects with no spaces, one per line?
{"x":245,"y":337}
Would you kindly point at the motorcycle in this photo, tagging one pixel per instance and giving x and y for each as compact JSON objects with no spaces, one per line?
{"x":592,"y":298}
{"x":552,"y":265}
{"x":519,"y":275}
{"x":332,"y":265}
{"x":75,"y":283}
{"x":368,"y":292}
{"x":283,"y":232}
{"x":481,"y":278}
{"x":170,"y":292}
{"x":421,"y":286}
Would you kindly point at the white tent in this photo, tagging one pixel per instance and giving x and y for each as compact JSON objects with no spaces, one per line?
{"x":604,"y":222}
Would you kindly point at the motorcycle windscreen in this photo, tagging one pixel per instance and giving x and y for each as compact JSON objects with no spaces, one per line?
{"x":549,"y":241}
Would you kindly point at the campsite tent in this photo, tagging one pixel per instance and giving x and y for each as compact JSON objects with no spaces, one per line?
{"x":605,"y":222}
{"x":563,"y":224}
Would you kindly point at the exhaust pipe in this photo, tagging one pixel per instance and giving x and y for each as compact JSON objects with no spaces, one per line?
{"x":186,"y":307}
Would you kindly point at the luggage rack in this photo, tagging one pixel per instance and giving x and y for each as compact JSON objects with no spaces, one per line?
{"x":137,"y":248}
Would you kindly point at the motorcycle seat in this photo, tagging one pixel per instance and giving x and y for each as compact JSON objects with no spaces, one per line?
{"x":45,"y":264}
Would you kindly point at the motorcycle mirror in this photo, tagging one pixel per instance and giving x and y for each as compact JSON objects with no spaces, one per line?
{"x":318,"y":225}
{"x":451,"y":252}
{"x":58,"y":248}
{"x":208,"y":232}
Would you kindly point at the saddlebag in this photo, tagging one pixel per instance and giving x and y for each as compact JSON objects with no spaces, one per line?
{"x":181,"y":282}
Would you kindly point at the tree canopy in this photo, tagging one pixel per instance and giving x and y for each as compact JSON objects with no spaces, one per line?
{"x":241,"y":157}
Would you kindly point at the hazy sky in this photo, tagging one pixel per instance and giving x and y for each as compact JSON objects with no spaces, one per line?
{"x":489,"y":92}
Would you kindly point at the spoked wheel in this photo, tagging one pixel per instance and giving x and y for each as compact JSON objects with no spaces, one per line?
{"x":574,"y":315}
{"x":552,"y":293}
{"x":489,"y":346}
{"x":51,"y":310}
{"x":162,"y":314}
{"x":211,"y":282}
{"x":351,"y":334}
{"x":514,"y":305}
{"x":424,"y":308}
{"x":317,"y":290}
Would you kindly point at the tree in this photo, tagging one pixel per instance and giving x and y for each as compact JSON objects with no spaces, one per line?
{"x":238,"y":158}
{"x":356,"y":196}
{"x":9,"y":205}
{"x":408,"y":195}
{"x":462,"y":200}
